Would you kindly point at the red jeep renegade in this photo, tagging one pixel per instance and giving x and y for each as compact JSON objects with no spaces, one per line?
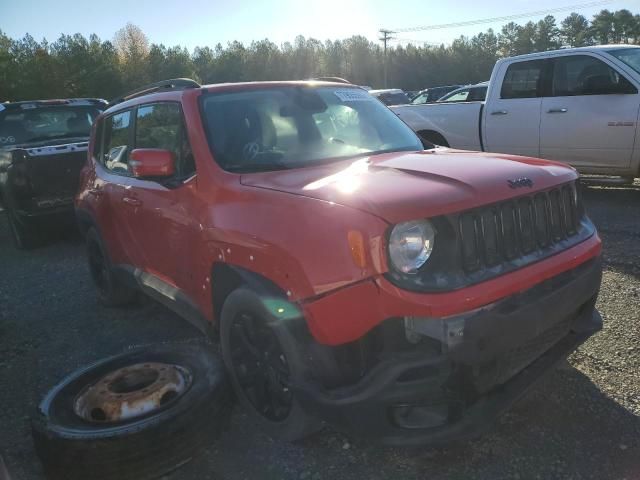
{"x":352,"y":274}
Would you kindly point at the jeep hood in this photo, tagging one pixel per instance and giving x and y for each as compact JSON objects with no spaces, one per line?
{"x":403,"y":186}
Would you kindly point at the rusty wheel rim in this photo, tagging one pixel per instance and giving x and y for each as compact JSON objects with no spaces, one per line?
{"x":131,"y":392}
{"x":260,"y":367}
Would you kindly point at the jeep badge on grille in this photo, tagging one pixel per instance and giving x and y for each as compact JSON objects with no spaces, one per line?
{"x":520,"y":182}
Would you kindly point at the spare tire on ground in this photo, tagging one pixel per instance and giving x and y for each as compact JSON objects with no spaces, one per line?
{"x":137,"y":415}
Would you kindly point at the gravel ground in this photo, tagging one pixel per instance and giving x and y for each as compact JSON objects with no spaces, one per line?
{"x":581,"y":422}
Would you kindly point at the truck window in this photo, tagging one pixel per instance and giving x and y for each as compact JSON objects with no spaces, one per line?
{"x":586,"y":75}
{"x":161,"y":126}
{"x":477,"y":94}
{"x":523,"y":80}
{"x":116,"y":143}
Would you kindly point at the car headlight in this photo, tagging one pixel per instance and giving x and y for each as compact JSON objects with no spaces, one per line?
{"x":411,"y":244}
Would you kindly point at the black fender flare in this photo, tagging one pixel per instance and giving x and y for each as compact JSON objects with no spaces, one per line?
{"x":225,"y":278}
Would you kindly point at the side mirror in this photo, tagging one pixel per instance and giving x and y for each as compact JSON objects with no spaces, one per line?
{"x":152,"y":162}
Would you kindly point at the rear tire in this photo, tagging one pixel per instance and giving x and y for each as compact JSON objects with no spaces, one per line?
{"x":24,"y":237}
{"x":112,"y":292}
{"x":262,"y":361}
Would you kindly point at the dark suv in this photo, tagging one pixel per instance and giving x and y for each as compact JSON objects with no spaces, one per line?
{"x":351,"y":273}
{"x":43,"y":146}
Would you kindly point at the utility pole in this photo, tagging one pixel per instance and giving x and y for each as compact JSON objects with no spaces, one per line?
{"x":386,"y":36}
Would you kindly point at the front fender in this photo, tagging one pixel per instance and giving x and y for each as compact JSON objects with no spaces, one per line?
{"x":298,"y":243}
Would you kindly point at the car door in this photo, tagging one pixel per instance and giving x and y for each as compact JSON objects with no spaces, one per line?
{"x":113,"y":178}
{"x":589,"y":119}
{"x":159,"y":217}
{"x":512,"y":113}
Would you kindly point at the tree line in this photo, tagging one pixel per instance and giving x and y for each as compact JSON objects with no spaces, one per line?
{"x":76,"y":66}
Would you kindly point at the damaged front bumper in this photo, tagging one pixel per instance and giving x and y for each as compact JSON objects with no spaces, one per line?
{"x":485,"y":361}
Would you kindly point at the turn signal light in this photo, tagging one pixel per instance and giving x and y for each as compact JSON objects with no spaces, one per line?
{"x":356,"y":246}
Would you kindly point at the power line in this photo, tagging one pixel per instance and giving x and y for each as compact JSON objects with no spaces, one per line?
{"x":500,"y":19}
{"x":386,"y":36}
{"x":416,"y":41}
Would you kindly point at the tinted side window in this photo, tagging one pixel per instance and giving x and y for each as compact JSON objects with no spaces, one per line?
{"x":523,"y":80}
{"x":115,"y":154}
{"x":161,"y":126}
{"x":585,"y":75}
{"x":477,"y":94}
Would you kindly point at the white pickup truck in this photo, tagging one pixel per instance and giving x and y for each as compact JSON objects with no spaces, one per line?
{"x":578,"y":106}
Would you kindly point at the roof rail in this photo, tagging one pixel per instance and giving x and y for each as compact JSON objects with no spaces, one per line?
{"x":331,"y":79}
{"x":170,"y":84}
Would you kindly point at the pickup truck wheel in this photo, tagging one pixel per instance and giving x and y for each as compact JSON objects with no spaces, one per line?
{"x":111,"y":291}
{"x":262,"y":364}
{"x":134,"y":416}
{"x":24,"y":238}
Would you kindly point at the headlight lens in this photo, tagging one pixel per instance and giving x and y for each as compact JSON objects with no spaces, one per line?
{"x":411,"y":244}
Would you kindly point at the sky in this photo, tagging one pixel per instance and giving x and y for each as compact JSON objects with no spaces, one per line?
{"x":194,"y":23}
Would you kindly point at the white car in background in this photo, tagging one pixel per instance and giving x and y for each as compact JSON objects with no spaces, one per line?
{"x":470,"y":93}
{"x":578,"y":106}
{"x":391,"y":96}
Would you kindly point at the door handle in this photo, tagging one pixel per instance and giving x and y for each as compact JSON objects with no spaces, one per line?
{"x":557,"y":110}
{"x":134,"y":202}
{"x":499,"y":112}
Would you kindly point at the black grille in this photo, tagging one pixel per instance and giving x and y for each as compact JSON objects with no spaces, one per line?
{"x":515,"y":228}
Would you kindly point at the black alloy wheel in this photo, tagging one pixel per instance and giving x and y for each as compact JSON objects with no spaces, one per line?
{"x":261,"y":367}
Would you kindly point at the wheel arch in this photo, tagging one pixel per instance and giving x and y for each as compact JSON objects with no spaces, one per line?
{"x":225,"y":278}
{"x":434,"y":137}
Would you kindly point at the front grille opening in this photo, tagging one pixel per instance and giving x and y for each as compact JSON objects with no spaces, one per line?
{"x":513,"y":229}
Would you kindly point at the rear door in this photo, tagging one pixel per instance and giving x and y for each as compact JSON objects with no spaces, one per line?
{"x":512,"y":113}
{"x":158,"y":213}
{"x":113,"y":178}
{"x":589,"y":119}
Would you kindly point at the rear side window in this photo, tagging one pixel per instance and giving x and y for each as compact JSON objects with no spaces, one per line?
{"x":161,"y":126}
{"x":586,"y":75}
{"x":523,"y":80}
{"x":115,"y":155}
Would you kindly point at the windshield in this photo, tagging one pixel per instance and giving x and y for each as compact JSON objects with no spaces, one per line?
{"x":26,"y":125}
{"x":295,"y":126}
{"x":630,"y":56}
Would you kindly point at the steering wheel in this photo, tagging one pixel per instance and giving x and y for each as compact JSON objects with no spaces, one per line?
{"x":250,"y":151}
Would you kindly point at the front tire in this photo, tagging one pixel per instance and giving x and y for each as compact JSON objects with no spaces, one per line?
{"x":263,"y":362}
{"x":112,"y":292}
